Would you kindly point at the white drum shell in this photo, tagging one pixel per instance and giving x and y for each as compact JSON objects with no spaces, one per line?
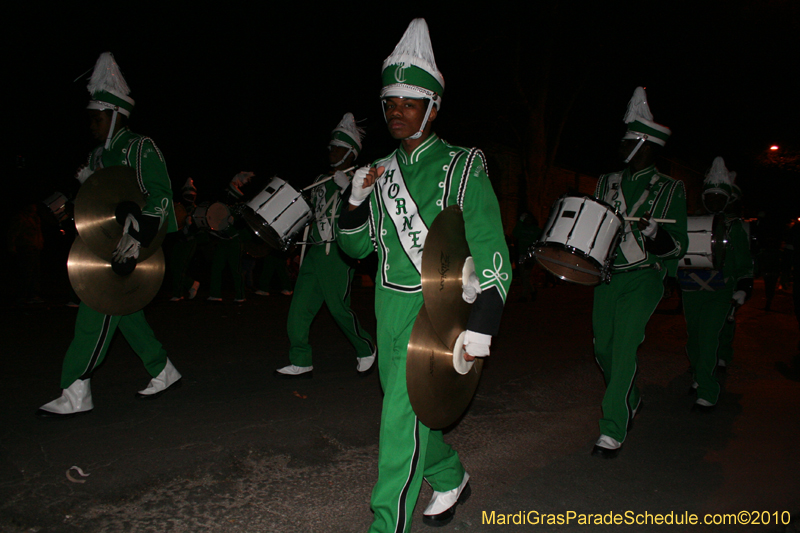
{"x":584,"y":226}
{"x":699,"y":252}
{"x":283,"y":209}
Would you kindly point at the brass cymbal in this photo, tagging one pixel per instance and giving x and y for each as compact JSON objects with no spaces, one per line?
{"x":443,"y":258}
{"x":95,"y":210}
{"x":438,"y":394}
{"x":107,"y":292}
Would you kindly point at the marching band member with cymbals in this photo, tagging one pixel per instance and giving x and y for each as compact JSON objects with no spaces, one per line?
{"x":711,"y":297}
{"x":646,"y":252}
{"x":325,"y":274}
{"x":109,"y":109}
{"x":390,"y":208}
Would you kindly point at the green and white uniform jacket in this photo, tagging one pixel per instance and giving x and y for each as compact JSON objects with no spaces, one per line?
{"x":325,"y":201}
{"x":412,"y":191}
{"x":141,"y":154}
{"x":633,"y":195}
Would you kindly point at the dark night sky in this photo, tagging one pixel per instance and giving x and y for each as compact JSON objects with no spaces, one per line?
{"x":228,"y":89}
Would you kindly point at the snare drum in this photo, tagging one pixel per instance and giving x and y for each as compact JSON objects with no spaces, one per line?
{"x":579,"y":240}
{"x":214,"y":217}
{"x":707,"y":242}
{"x":277,"y":214}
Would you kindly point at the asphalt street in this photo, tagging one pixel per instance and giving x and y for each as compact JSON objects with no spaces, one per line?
{"x":235,"y":450}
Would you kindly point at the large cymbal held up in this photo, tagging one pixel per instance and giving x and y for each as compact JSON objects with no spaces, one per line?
{"x":440,"y":382}
{"x":101,"y":205}
{"x":105,"y":291}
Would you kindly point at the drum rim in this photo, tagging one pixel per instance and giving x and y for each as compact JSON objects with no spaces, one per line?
{"x":572,"y":251}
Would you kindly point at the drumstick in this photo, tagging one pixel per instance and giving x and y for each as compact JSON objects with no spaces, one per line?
{"x":659,"y":220}
{"x":320,"y":182}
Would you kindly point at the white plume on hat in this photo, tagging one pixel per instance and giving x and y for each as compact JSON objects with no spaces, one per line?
{"x":108,"y":77}
{"x":718,"y":174}
{"x":351,"y":129}
{"x":415,"y":49}
{"x":638,"y":108}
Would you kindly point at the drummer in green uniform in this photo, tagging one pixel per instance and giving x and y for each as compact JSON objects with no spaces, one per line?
{"x":710,"y":296}
{"x":646,"y":252}
{"x":326,"y":275}
{"x":390,"y":208}
{"x":109,"y":109}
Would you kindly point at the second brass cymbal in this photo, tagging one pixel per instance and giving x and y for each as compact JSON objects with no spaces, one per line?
{"x":99,"y":287}
{"x":95,"y":211}
{"x":438,"y":394}
{"x":443,"y":259}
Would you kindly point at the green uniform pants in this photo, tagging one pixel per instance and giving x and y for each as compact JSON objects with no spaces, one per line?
{"x":408,"y":451}
{"x":323,"y":278}
{"x":93,"y":334}
{"x":706,"y":313}
{"x":620,"y":314}
{"x":725,"y":351}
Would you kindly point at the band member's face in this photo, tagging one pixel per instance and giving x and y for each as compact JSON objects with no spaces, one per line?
{"x":715,"y":202}
{"x":335,"y":154}
{"x":404,"y":116}
{"x":99,"y":124}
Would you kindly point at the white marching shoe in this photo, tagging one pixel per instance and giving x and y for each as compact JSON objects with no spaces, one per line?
{"x":75,"y":399}
{"x":165,"y":380}
{"x":294,"y":371}
{"x":442,"y":507}
{"x":365,"y":363}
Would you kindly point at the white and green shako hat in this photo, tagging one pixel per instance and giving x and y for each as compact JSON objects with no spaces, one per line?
{"x":348,"y":135}
{"x":410,"y":71}
{"x":109,"y":90}
{"x":718,"y":179}
{"x":641,"y":125}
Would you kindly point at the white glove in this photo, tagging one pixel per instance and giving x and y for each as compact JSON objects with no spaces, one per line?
{"x":739,"y":297}
{"x":83,"y":174}
{"x":651,"y":229}
{"x":341,"y":179}
{"x":359,"y":193}
{"x":470,"y":284}
{"x":477,"y":344}
{"x":128,"y":247}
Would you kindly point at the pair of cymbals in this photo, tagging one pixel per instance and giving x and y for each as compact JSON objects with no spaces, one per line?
{"x":99,"y":231}
{"x":438,"y":392}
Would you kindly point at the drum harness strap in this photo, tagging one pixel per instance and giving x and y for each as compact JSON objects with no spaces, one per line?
{"x":615,"y":181}
{"x":333,"y":200}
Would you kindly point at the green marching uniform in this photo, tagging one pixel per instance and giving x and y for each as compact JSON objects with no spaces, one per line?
{"x":710,"y":296}
{"x":623,"y":307}
{"x":325,"y":276}
{"x":706,"y":306}
{"x":93,"y":330}
{"x":412,"y":191}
